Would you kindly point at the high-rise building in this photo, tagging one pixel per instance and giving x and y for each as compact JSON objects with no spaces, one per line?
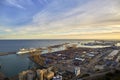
{"x":40,"y":74}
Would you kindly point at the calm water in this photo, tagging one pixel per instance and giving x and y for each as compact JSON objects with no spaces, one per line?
{"x":13,"y":64}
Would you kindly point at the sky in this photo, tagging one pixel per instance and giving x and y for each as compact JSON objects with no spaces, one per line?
{"x":59,"y":19}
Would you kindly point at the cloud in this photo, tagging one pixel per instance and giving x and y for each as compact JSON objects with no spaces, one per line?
{"x":15,"y":3}
{"x":23,"y":4}
{"x":95,"y":16}
{"x":8,"y":30}
{"x":59,"y":19}
{"x":5,"y":29}
{"x":93,"y":12}
{"x":108,"y":35}
{"x":112,"y":36}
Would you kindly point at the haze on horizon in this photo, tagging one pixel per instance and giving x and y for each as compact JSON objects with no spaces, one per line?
{"x":59,"y":19}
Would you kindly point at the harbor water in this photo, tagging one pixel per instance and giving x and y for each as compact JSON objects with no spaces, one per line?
{"x":13,"y":64}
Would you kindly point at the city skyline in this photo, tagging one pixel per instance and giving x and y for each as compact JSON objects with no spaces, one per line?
{"x":60,"y":19}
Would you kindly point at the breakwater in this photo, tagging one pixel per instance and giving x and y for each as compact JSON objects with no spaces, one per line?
{"x":6,"y":53}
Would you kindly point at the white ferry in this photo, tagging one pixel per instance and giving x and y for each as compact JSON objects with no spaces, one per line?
{"x":23,"y":51}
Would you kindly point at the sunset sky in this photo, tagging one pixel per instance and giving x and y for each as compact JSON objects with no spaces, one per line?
{"x":59,"y":19}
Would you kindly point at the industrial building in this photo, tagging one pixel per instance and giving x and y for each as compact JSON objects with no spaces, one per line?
{"x":112,"y":55}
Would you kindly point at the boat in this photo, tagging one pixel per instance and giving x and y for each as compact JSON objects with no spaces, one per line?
{"x":23,"y":51}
